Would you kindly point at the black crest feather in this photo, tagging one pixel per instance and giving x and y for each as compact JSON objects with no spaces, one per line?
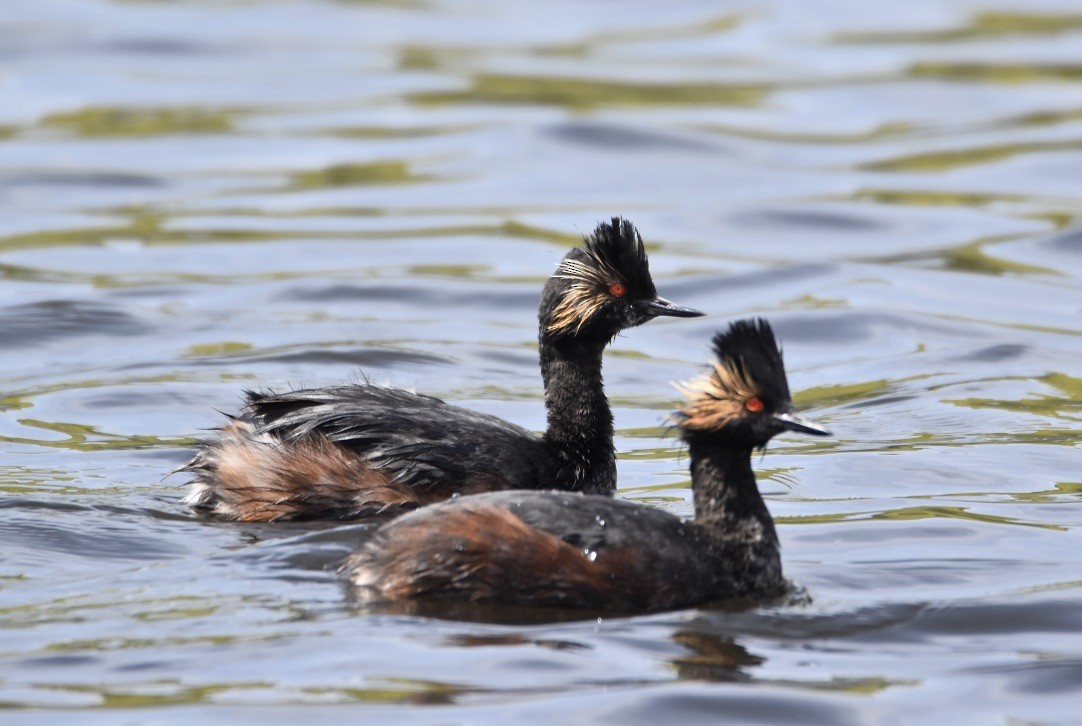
{"x":749,"y":346}
{"x":746,"y":363}
{"x":618,"y":246}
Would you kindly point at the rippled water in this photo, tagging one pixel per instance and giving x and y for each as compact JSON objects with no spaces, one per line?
{"x":202,"y":197}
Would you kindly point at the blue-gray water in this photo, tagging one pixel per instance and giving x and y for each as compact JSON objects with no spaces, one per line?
{"x":197,"y":198}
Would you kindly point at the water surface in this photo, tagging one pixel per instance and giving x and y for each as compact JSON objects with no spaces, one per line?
{"x":199,"y":198}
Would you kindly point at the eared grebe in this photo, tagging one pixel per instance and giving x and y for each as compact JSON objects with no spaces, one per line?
{"x":573,"y":550}
{"x":358,"y":450}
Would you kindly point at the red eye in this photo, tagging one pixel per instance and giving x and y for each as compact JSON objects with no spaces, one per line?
{"x":617,"y":289}
{"x":754,"y":405}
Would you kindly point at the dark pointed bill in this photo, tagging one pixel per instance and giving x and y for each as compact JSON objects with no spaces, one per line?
{"x":661,"y":306}
{"x":798,"y":423}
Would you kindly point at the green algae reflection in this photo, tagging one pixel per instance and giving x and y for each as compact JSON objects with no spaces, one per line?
{"x":113,"y":121}
{"x":841,"y":394}
{"x":394,"y":132}
{"x":957,"y":158}
{"x":153,"y":229}
{"x":981,"y":26}
{"x":214,"y":350}
{"x":83,"y":437}
{"x":349,"y":175}
{"x":588,"y":94}
{"x":888,"y":130}
{"x":1066,"y":404}
{"x":1008,"y":73}
{"x":170,"y":692}
{"x":1060,"y":492}
{"x":933,"y":197}
{"x":973,"y":258}
{"x":906,"y":514}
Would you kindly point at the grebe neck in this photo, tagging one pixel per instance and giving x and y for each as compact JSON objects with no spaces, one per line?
{"x":728,"y":504}
{"x":580,"y":429}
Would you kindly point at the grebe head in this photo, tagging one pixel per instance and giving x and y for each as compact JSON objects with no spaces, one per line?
{"x":743,"y":399}
{"x":604,"y":286}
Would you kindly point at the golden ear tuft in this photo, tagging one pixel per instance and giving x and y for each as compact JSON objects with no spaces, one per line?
{"x":716,"y":398}
{"x":592,"y":281}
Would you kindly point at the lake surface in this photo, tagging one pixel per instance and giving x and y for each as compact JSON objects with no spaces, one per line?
{"x":198,"y":198}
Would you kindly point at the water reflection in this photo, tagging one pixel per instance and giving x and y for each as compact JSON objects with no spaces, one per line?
{"x":712,"y":658}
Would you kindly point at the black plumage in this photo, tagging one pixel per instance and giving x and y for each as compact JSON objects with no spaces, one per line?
{"x":575,"y":550}
{"x":418,"y":440}
{"x":355,"y":450}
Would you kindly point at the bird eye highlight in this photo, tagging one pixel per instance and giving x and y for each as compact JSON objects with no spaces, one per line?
{"x":617,"y":289}
{"x":753,"y":404}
